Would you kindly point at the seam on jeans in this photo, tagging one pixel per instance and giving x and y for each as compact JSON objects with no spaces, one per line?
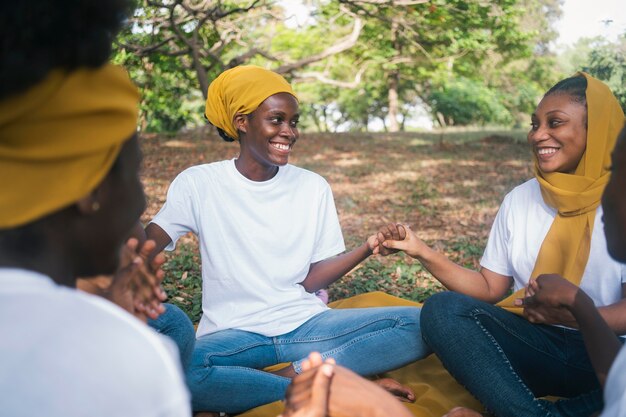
{"x":474,"y":314}
{"x":364,"y":337}
{"x":207,"y":357}
{"x":397,"y":322}
{"x":478,"y":311}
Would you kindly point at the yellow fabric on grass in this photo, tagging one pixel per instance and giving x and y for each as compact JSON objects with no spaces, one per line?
{"x":59,"y":139}
{"x":241,"y":90}
{"x":435,"y":390}
{"x":576,"y":197}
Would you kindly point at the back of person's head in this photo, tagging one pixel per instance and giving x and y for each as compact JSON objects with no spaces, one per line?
{"x":66,"y":123}
{"x":240,"y":90}
{"x":40,"y":35}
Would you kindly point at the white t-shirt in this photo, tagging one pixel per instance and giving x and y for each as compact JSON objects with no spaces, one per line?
{"x":516,"y":236}
{"x":64,"y":353}
{"x":615,"y":388}
{"x":257,"y":243}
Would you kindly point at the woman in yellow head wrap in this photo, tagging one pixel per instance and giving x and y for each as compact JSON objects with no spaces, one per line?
{"x":269,"y":236}
{"x":70,"y":195}
{"x":550,"y":224}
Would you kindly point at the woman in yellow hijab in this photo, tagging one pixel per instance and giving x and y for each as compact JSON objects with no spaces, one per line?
{"x":269,"y":237}
{"x":551,"y":224}
{"x":70,"y":194}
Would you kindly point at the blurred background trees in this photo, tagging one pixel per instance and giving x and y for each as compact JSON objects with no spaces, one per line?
{"x":361,"y":64}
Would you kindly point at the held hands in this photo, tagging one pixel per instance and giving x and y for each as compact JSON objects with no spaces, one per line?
{"x":395,"y":237}
{"x":136,"y":286}
{"x":548,"y":300}
{"x":308,"y":393}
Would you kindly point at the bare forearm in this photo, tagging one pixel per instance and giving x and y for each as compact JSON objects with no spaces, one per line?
{"x":457,"y":278}
{"x":325,"y":272}
{"x":600,"y":340}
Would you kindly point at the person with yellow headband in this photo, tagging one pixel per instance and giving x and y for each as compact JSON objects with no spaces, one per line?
{"x":269,"y":237}
{"x":505,"y":356}
{"x":70,"y":195}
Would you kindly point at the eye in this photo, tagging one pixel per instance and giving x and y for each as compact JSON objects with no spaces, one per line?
{"x":534,"y":125}
{"x":276,"y":120}
{"x":554,"y":122}
{"x":294,"y":123}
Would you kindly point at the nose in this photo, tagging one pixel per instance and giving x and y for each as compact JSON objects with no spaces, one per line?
{"x":539,"y":134}
{"x":290,"y":132}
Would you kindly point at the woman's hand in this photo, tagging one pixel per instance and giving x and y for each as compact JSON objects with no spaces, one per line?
{"x":307,"y":395}
{"x":548,"y":300}
{"x":395,"y":237}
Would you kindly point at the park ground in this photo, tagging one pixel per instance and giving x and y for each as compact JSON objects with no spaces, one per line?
{"x":446,"y":187}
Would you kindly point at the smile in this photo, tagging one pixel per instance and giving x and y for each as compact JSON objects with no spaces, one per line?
{"x":546,"y":151}
{"x":280,"y":146}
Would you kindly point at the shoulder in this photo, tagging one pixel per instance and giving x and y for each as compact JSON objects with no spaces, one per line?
{"x":304,"y":176}
{"x":526,"y":193}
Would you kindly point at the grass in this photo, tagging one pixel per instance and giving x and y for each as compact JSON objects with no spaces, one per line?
{"x":448,"y":188}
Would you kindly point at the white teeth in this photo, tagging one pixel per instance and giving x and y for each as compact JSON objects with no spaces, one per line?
{"x":546,"y":151}
{"x":281,"y":146}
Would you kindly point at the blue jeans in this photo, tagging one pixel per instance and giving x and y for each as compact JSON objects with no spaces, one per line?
{"x":175,"y":324}
{"x":506,"y":362}
{"x":226,"y":370}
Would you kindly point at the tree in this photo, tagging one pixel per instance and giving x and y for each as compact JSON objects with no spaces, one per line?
{"x":607,"y":62}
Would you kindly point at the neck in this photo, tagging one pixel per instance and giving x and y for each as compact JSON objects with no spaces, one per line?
{"x":32,"y":249}
{"x":255,"y":172}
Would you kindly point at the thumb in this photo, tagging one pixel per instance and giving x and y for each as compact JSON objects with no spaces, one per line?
{"x":321,"y":389}
{"x":394,"y":244}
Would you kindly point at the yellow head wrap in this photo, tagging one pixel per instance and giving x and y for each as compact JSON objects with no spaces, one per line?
{"x":241,"y":90}
{"x":59,"y":139}
{"x":565,"y":249}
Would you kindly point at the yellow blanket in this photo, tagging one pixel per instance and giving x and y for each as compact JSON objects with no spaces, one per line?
{"x":435,"y":390}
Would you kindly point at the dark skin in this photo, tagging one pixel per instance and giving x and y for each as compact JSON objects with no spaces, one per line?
{"x":266,"y":138}
{"x":65,"y":245}
{"x":552,"y":292}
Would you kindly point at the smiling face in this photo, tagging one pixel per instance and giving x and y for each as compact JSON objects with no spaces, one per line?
{"x":267,"y":136}
{"x":614,"y":202}
{"x":558,"y":134}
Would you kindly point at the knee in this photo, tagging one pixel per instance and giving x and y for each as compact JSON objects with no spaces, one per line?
{"x":443,"y":312}
{"x":175,"y":324}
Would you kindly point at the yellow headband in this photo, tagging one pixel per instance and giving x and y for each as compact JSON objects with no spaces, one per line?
{"x":59,"y":139}
{"x":241,"y":90}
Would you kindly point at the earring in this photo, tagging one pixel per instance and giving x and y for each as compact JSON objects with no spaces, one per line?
{"x":95,"y":206}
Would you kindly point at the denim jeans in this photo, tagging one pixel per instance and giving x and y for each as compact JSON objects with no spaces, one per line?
{"x":506,"y":362}
{"x":225,"y":373}
{"x":175,"y":324}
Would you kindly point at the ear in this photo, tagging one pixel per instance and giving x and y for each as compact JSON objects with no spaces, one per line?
{"x":241,"y":122}
{"x":90,"y":204}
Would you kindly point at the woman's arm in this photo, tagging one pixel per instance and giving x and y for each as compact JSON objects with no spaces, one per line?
{"x":484,"y":285}
{"x":323,"y":273}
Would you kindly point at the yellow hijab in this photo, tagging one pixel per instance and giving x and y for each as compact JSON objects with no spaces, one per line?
{"x":59,"y":139}
{"x":241,"y":90}
{"x":565,"y":249}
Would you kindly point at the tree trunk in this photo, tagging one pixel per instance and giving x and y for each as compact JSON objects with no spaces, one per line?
{"x":394,"y":82}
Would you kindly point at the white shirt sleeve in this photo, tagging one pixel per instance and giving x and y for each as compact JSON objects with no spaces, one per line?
{"x":178,"y":217}
{"x":329,"y":239}
{"x":496,"y":256}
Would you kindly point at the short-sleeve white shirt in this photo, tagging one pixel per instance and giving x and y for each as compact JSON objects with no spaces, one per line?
{"x":615,"y":388}
{"x":257,"y":243}
{"x":64,"y":353}
{"x":516,"y":236}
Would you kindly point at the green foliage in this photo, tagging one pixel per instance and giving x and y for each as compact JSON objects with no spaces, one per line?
{"x":183,"y":280}
{"x":401,"y":279}
{"x":607,"y":62}
{"x":464,"y":102}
